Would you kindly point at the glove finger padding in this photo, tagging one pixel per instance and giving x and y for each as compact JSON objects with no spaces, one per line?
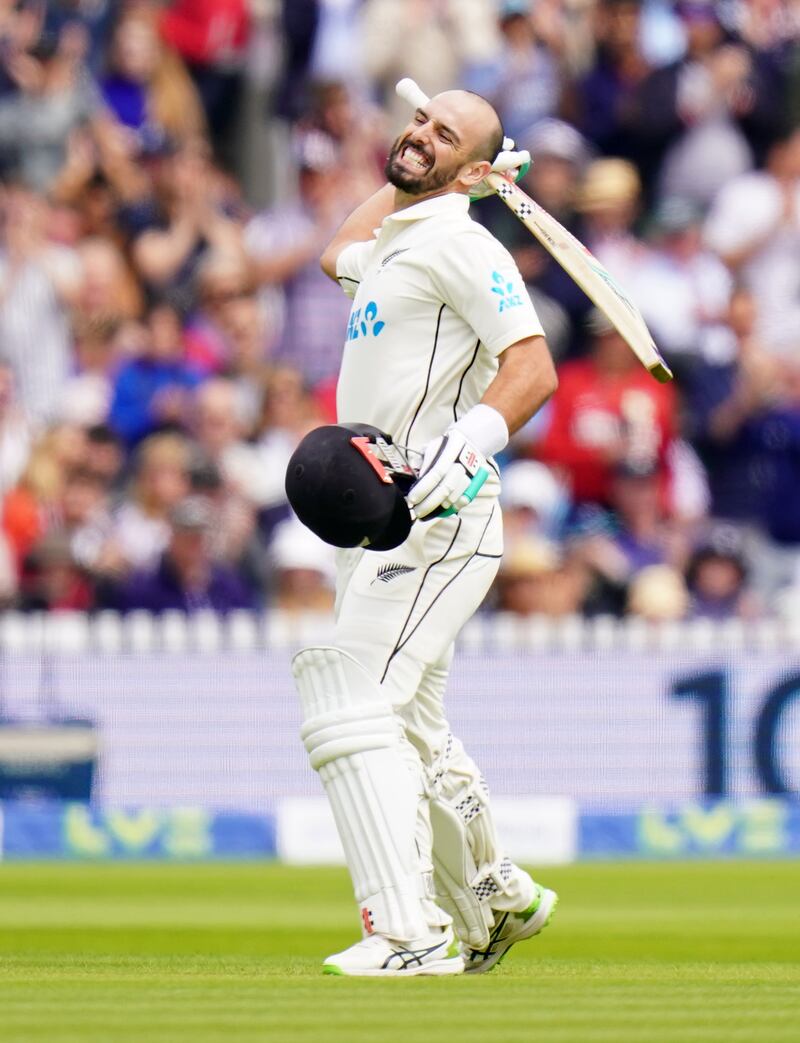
{"x":515,"y":165}
{"x":451,"y":477}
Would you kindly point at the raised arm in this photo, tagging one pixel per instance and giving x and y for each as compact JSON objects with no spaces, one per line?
{"x":358,"y":227}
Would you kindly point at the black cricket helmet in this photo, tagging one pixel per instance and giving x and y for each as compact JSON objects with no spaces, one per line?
{"x":347,"y":483}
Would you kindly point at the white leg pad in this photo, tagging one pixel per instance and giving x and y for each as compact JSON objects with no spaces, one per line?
{"x":473,"y":876}
{"x":353,"y":740}
{"x":435,"y":916}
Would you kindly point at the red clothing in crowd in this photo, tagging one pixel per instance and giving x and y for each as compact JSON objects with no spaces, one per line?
{"x":206,"y":32}
{"x":598,"y":419}
{"x":23,"y":521}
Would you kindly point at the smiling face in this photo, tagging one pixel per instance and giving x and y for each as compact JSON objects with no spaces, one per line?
{"x":446,"y":145}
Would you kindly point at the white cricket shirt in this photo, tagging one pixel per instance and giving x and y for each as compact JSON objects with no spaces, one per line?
{"x":436,"y":299}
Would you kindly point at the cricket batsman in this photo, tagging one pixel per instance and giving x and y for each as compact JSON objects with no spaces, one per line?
{"x":444,"y":358}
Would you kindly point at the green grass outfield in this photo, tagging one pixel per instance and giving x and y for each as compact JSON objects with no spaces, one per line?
{"x":174,"y":953}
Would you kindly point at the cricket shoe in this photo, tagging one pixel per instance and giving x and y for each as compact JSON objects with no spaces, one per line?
{"x":510,"y":928}
{"x":377,"y":956}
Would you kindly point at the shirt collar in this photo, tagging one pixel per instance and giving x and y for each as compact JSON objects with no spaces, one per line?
{"x":449,"y":203}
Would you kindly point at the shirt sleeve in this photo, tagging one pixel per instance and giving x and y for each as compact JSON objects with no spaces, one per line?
{"x":352,"y":263}
{"x":478,"y":278}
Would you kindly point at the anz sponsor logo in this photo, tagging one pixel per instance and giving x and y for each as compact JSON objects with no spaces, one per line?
{"x":364,"y":322}
{"x":505,"y":290}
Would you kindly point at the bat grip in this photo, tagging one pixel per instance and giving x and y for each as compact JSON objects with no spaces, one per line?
{"x":410,"y":91}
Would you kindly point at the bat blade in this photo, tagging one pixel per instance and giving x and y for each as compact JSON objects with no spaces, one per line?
{"x":585,"y":269}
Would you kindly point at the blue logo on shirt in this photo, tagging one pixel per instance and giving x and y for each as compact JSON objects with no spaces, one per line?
{"x":505,"y":290}
{"x":369,"y":324}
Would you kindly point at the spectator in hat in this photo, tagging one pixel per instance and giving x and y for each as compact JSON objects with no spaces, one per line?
{"x":534,"y":579}
{"x":639,"y":533}
{"x":186,"y":578}
{"x":609,"y":202}
{"x":658,"y":594}
{"x":717,"y":575}
{"x":303,"y":569}
{"x":534,"y":502}
{"x":643,"y":537}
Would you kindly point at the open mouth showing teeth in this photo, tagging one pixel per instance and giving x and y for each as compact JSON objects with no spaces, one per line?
{"x":415,"y":158}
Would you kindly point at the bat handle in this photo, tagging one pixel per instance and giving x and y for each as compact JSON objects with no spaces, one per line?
{"x":411,"y":92}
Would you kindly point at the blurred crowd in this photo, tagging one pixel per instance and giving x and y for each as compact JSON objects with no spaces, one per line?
{"x":169,"y":173}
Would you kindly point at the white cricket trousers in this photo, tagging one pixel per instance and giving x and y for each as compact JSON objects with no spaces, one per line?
{"x":398,"y":613}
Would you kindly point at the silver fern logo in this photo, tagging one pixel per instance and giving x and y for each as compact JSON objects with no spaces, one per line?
{"x":391,"y":571}
{"x":392,"y":255}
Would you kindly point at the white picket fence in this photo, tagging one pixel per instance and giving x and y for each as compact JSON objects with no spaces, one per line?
{"x":207,"y":632}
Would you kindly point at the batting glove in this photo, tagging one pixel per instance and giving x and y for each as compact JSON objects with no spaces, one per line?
{"x":513,"y":165}
{"x":452,"y":474}
{"x":454,"y":466}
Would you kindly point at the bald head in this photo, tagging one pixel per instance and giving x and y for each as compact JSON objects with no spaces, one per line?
{"x":447,"y":145}
{"x":481,"y":123}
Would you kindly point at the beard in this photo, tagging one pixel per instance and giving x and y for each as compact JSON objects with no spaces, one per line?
{"x":430,"y":180}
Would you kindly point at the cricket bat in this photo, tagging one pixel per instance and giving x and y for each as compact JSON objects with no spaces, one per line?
{"x":578,"y":262}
